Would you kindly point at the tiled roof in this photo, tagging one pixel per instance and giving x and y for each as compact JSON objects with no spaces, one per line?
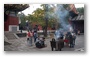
{"x":79,"y":17}
{"x":15,"y":7}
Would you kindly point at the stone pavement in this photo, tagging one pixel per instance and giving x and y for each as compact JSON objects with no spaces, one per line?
{"x":20,"y":44}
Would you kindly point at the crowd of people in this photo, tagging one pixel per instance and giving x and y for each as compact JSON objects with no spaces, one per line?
{"x":58,"y":42}
{"x":33,"y":35}
{"x":69,"y":39}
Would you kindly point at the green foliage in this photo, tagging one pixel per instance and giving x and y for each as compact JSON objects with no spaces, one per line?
{"x":80,"y":10}
{"x":22,"y":18}
{"x":65,"y":5}
{"x":38,"y":16}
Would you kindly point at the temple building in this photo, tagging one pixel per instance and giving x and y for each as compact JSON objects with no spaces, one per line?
{"x":77,"y":19}
{"x":78,"y":23}
{"x":11,"y":20}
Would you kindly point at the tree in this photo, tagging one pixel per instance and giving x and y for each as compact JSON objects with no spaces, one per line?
{"x":44,"y":16}
{"x":80,"y":10}
{"x":66,"y":6}
{"x":38,"y":14}
{"x":22,"y":18}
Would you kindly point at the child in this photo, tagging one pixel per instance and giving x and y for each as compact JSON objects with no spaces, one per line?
{"x":30,"y":36}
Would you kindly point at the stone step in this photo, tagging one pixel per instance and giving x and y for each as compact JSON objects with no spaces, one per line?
{"x":10,"y":35}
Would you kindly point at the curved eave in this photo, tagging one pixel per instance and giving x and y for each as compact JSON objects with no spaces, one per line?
{"x":15,"y":7}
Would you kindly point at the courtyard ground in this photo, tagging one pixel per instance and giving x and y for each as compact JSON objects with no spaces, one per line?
{"x":20,"y":44}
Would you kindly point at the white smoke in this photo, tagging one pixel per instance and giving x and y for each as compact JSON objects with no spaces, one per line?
{"x":62,"y":16}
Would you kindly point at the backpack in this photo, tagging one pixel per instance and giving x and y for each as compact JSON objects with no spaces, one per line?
{"x":28,"y":34}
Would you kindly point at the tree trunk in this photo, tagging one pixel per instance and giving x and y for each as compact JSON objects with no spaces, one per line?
{"x":46,"y":21}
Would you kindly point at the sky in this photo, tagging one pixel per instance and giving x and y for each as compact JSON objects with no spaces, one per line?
{"x":35,"y":6}
{"x":79,"y":5}
{"x":31,"y":8}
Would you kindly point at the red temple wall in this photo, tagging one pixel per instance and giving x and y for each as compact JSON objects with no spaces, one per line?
{"x":10,"y":21}
{"x":13,"y":20}
{"x":6,"y":26}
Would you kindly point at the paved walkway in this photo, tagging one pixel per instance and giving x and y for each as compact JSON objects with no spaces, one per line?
{"x":21,"y":45}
